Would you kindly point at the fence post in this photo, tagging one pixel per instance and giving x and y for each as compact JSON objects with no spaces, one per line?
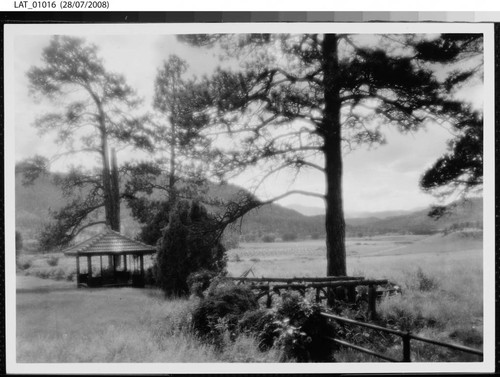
{"x":340,"y":293}
{"x":268,"y":300}
{"x":406,"y":347}
{"x":372,"y":302}
{"x":351,"y":294}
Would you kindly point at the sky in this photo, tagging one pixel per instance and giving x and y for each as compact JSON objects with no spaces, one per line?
{"x":375,"y":179}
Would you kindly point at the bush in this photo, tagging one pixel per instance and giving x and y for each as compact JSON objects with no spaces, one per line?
{"x":301,"y":330}
{"x":220,"y":311}
{"x":149,"y":276}
{"x":315,"y":236}
{"x":268,"y":238}
{"x":425,"y":283}
{"x":199,"y":281}
{"x":189,"y":244}
{"x":289,"y":237}
{"x":51,"y":273}
{"x":263,"y":323}
{"x":19,"y":243}
{"x":295,"y":326}
{"x":53,"y":260}
{"x":24,"y":263}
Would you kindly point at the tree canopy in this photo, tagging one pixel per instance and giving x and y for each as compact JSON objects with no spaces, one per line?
{"x":94,"y":109}
{"x":301,"y":101}
{"x":182,"y":152}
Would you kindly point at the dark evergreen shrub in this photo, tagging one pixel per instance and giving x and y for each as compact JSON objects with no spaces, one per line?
{"x":154,"y":217}
{"x":189,"y":244}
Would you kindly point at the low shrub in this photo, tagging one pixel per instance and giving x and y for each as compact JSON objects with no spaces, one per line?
{"x":468,"y":336}
{"x":199,"y":281}
{"x":289,"y":236}
{"x":52,"y":260}
{"x":268,"y":238}
{"x":302,"y":329}
{"x":54,"y":273}
{"x":218,"y":313}
{"x":23,"y":263}
{"x":149,"y":276}
{"x":295,"y":326}
{"x":262,"y":323}
{"x":315,"y":236}
{"x":425,"y":282}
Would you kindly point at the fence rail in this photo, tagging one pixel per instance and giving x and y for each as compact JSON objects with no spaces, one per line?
{"x":338,"y":287}
{"x":406,"y":337}
{"x":295,"y":279}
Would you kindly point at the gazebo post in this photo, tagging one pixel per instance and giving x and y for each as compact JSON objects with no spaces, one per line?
{"x":125,"y":262}
{"x":77,"y":271}
{"x":89,"y":266}
{"x":142,"y":264}
{"x":101,"y":264}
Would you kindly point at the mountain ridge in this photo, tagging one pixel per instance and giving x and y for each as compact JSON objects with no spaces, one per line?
{"x":33,"y":204}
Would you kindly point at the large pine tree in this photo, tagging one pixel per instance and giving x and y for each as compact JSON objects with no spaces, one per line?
{"x":93,"y":109}
{"x":297,"y":101}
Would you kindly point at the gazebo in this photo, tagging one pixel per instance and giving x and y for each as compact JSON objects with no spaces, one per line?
{"x":124,"y":264}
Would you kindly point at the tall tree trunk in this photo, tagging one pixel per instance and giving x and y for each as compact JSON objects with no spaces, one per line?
{"x":106,"y":182}
{"x":331,"y":129}
{"x":115,"y":189}
{"x":111,"y":208}
{"x":172,"y":173}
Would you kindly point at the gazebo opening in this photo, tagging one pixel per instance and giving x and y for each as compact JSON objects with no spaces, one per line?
{"x":110,"y":259}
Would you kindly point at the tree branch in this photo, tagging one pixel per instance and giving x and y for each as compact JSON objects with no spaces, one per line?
{"x":293,"y":192}
{"x":74,"y":234}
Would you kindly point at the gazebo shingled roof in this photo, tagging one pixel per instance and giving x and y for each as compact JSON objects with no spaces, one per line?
{"x":109,"y":242}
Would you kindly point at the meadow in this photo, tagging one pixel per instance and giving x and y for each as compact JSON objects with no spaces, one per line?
{"x":441,"y":279}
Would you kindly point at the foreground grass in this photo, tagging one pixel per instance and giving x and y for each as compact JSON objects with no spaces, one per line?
{"x":66,"y":325}
{"x":442,"y":299}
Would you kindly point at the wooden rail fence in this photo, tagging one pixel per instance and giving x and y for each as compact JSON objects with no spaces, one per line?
{"x":340,"y":287}
{"x":405,"y":336}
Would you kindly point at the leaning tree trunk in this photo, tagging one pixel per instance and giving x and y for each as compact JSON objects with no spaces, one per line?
{"x":331,"y":129}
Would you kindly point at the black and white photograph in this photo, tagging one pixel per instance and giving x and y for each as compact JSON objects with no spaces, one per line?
{"x":295,"y":197}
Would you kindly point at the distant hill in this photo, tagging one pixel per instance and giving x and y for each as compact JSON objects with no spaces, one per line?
{"x":34,"y":202}
{"x":318,"y":211}
{"x":307,"y":210}
{"x":466,"y":214}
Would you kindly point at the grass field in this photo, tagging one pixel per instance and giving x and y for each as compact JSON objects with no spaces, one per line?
{"x":441,"y":277}
{"x":57,"y":323}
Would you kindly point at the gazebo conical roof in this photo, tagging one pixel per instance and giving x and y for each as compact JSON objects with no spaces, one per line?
{"x":109,"y":242}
